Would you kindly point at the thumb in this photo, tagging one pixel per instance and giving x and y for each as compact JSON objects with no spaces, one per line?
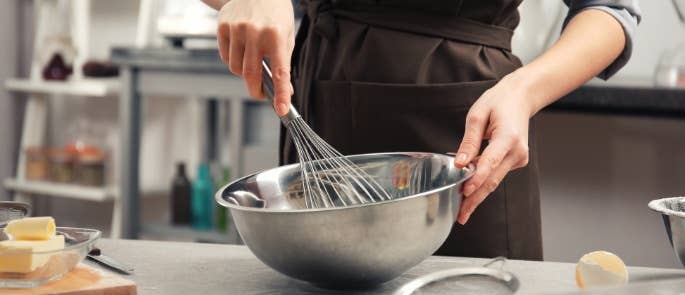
{"x":473,"y":136}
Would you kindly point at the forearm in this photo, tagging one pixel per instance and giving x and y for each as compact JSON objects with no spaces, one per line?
{"x":216,"y":4}
{"x":592,"y":40}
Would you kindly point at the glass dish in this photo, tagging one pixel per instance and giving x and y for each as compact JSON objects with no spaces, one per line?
{"x":53,"y":264}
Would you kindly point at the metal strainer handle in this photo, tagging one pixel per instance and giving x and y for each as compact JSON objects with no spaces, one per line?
{"x":498,"y":274}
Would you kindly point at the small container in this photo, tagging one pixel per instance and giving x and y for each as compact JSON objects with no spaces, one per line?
{"x":61,"y":166}
{"x":37,"y":163}
{"x":90,"y":167}
{"x":202,"y":199}
{"x":57,"y":69}
{"x":221,"y":215}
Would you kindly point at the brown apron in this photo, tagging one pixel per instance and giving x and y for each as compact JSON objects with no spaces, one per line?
{"x":383,"y":76}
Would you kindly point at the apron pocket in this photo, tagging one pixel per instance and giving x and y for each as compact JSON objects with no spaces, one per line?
{"x":366,"y":117}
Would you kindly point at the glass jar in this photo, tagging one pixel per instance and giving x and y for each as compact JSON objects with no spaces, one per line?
{"x":670,"y":71}
{"x":90,"y":167}
{"x":61,"y":166}
{"x":36,"y":163}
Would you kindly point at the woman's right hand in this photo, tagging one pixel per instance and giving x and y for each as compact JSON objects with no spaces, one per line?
{"x":252,"y":29}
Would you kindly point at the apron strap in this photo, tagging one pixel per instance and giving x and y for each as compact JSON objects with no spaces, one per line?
{"x":323,"y":14}
{"x":447,"y":27}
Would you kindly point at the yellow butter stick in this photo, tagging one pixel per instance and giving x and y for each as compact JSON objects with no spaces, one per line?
{"x":21,"y":256}
{"x":32,"y":228}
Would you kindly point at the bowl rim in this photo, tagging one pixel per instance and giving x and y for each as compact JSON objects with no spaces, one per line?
{"x":470,"y":170}
{"x":93,"y":237}
{"x":656,"y":205}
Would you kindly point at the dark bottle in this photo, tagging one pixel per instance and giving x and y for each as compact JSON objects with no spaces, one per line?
{"x":180,"y":197}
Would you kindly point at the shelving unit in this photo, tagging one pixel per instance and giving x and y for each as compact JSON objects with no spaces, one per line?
{"x":72,"y":191}
{"x":41,"y":91}
{"x":91,"y":87}
{"x":189,"y":74}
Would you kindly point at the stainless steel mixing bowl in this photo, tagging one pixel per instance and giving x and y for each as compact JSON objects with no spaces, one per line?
{"x":357,"y":245}
{"x":673,"y":213}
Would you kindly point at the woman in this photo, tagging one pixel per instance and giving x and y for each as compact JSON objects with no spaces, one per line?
{"x":403,"y":75}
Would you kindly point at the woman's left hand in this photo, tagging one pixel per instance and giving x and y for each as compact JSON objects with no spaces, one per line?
{"x":501,"y":116}
{"x":502,"y":113}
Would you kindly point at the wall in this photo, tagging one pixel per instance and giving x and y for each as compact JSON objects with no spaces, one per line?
{"x":9,"y":67}
{"x":597,"y":173}
{"x":597,"y":177}
{"x":659,"y":31}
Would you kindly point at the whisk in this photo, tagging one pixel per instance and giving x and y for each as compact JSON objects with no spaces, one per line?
{"x":329,"y":179}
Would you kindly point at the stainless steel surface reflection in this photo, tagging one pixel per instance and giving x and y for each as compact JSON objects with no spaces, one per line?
{"x":361,"y":244}
{"x":673,"y":213}
{"x":10,"y":210}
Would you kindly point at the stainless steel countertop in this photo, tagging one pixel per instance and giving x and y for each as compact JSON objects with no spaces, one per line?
{"x":185,"y":268}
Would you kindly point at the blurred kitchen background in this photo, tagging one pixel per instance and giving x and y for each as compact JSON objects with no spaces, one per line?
{"x":145,"y":91}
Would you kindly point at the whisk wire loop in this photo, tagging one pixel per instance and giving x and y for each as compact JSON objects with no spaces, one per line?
{"x":329,"y":179}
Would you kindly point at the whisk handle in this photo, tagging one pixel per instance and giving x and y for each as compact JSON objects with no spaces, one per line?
{"x":268,"y":88}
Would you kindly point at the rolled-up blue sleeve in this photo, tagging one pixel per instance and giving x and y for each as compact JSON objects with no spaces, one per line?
{"x":626,"y":12}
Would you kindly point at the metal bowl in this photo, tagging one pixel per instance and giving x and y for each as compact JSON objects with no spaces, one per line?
{"x":673,"y":213}
{"x":356,"y":245}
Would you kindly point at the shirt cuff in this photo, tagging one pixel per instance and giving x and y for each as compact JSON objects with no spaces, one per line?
{"x":629,"y":23}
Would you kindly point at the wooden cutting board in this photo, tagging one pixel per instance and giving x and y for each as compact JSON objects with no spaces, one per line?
{"x":82,"y":280}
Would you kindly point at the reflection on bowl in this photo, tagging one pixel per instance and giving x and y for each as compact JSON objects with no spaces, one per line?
{"x":48,"y":265}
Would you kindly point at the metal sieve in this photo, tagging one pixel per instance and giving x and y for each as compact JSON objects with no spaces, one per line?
{"x":673,"y":214}
{"x":13,"y":210}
